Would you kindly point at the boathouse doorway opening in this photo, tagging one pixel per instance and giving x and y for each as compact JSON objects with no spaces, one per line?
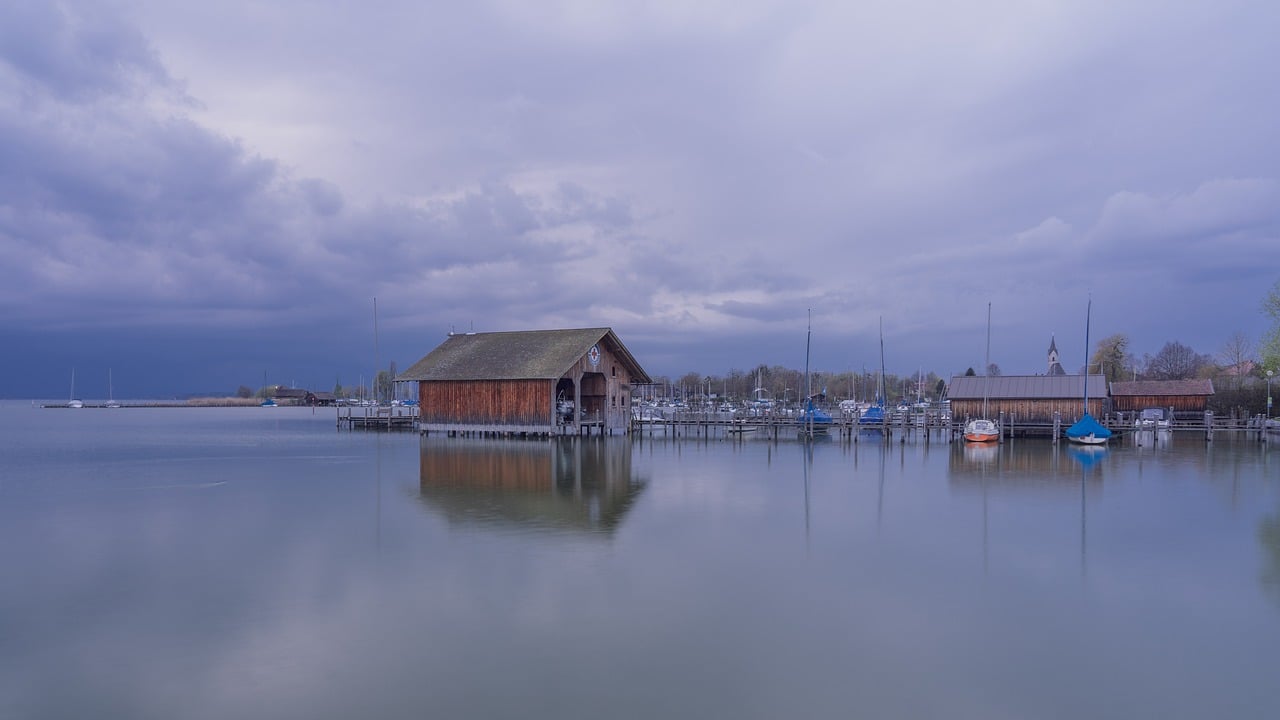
{"x":565,"y":402}
{"x":595,"y":391}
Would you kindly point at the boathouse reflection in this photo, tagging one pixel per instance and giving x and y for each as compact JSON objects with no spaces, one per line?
{"x":567,"y":484}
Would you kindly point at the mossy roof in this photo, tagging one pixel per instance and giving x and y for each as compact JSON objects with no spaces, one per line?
{"x":519,"y":355}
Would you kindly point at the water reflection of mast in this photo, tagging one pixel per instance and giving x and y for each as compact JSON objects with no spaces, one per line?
{"x":1084,"y":565}
{"x":808,"y":459}
{"x":377,"y":484}
{"x":884,"y":451}
{"x":984,"y":520}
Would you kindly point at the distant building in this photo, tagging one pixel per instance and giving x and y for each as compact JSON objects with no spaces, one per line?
{"x":322,"y":399}
{"x":290,"y":396}
{"x":1055,"y":367}
{"x":1241,"y":369}
{"x":530,"y":382}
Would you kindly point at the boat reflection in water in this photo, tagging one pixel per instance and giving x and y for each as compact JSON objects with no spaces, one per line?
{"x":981,"y":453}
{"x":570,"y":484}
{"x":1025,"y":467}
{"x":1148,"y":438}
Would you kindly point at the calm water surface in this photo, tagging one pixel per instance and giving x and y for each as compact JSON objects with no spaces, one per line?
{"x":259,"y":563}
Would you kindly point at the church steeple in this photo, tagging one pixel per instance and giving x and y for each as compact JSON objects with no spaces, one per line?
{"x":1055,"y":367}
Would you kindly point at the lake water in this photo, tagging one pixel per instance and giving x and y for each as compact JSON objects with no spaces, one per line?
{"x":260,"y":563}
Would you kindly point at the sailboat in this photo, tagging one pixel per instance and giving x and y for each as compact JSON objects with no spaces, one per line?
{"x":984,"y":429}
{"x":111,"y":395}
{"x":761,"y":403}
{"x":267,"y":401}
{"x":874,"y":414}
{"x":1087,"y":430}
{"x":815,"y":421}
{"x":72,"y":402}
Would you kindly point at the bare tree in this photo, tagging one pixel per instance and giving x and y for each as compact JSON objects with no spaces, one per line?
{"x":1176,"y":361}
{"x":1237,"y":357}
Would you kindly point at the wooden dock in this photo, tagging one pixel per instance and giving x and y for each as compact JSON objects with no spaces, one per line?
{"x":716,"y":425}
{"x":380,"y":418}
{"x":901,"y":426}
{"x":725,"y":426}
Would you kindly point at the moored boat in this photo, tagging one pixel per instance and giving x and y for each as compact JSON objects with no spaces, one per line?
{"x":981,"y":430}
{"x":1153,"y":419}
{"x":984,"y":429}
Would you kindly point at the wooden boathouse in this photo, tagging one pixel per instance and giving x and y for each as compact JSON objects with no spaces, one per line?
{"x":534,"y":382}
{"x":1027,"y":399}
{"x":1187,"y":398}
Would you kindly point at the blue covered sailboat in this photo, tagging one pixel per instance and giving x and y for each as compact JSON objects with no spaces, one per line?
{"x":1087,"y":430}
{"x":814,"y":416}
{"x":874,"y":415}
{"x":813,"y":420}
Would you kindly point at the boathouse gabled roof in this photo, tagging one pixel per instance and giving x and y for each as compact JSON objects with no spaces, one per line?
{"x":521,"y":355}
{"x":1158,"y":388}
{"x":1025,"y":387}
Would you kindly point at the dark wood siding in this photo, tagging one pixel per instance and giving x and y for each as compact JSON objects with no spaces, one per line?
{"x":486,"y":402}
{"x":1179,"y":403}
{"x":1040,"y":410}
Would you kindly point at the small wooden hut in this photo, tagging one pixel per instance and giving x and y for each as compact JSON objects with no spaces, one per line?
{"x":1027,"y":398}
{"x":1189,"y":397}
{"x":539,"y":382}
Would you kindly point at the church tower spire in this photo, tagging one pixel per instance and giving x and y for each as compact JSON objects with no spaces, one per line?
{"x":1055,"y":367}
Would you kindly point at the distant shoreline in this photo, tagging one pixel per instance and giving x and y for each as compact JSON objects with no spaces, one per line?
{"x":191,"y":402}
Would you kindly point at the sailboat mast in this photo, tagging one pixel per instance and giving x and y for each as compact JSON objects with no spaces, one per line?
{"x":1088,"y":316}
{"x":880,"y":390}
{"x":986,"y":367}
{"x":808,"y":390}
{"x":807,"y":338}
{"x":377,"y":361}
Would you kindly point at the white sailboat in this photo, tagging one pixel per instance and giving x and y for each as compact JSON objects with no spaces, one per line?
{"x":984,"y":429}
{"x":73,"y":402}
{"x":111,"y":396}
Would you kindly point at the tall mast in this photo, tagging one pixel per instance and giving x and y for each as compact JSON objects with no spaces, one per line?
{"x":986,"y":367}
{"x":808,"y":390}
{"x":807,"y":338}
{"x":883,"y":399}
{"x":376,"y":360}
{"x":1088,"y":315}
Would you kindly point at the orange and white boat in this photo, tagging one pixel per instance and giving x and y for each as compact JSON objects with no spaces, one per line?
{"x":981,"y":430}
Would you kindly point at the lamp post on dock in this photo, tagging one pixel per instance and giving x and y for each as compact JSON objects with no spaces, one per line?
{"x":1269,"y":374}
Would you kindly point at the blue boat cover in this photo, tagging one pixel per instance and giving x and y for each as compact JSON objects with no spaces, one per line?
{"x":816,"y":414}
{"x":1086,"y":426}
{"x":873,"y":415}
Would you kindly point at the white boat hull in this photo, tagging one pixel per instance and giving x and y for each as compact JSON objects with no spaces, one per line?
{"x":1089,"y":439}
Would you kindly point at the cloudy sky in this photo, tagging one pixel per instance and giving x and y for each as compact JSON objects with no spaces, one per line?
{"x":195,"y":196}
